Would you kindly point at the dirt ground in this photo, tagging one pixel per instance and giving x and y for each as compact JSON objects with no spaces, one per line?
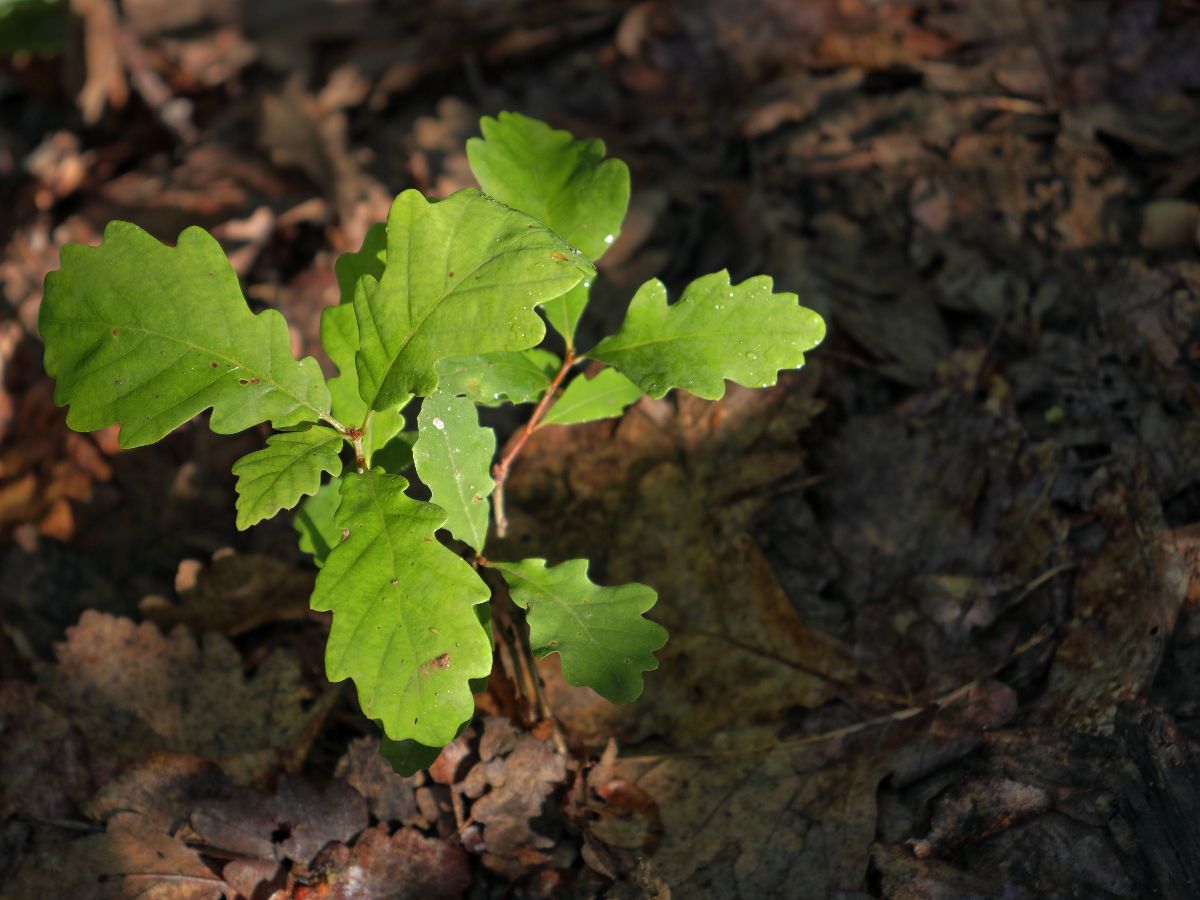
{"x":934,"y":601}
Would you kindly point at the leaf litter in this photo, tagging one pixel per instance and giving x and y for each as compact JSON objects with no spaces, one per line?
{"x":932,"y":601}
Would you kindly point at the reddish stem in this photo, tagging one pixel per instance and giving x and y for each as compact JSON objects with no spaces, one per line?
{"x":500,"y":469}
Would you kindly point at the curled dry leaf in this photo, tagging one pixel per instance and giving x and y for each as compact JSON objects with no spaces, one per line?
{"x":391,"y":797}
{"x":404,"y":866}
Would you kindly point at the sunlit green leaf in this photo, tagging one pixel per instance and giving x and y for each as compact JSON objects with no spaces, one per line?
{"x":339,"y":337}
{"x":586,"y":399}
{"x":715,"y":331}
{"x":453,"y":456}
{"x":289,"y":467}
{"x":148,"y":335}
{"x":566,"y":184}
{"x":369,"y":259}
{"x":404,"y":623}
{"x":604,"y":641}
{"x":463,"y":277}
{"x":495,"y":378}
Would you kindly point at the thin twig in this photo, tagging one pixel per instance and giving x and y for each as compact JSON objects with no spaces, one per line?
{"x":500,"y":469}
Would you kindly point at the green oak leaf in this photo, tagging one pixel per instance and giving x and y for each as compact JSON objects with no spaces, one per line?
{"x":407,"y":757}
{"x":715,"y":331}
{"x":288,"y":468}
{"x":566,"y":184}
{"x":453,"y":455}
{"x":563,"y":313}
{"x":502,"y":377}
{"x":369,"y":259}
{"x":604,"y":641}
{"x":463,"y":277}
{"x":315,"y":521}
{"x":339,"y":337}
{"x":586,"y":399}
{"x":404,"y":622}
{"x":148,"y":335}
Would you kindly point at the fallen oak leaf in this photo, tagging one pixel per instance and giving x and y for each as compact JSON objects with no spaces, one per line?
{"x":135,"y":691}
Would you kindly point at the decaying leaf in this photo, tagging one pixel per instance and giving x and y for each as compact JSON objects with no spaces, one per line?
{"x":134,"y":690}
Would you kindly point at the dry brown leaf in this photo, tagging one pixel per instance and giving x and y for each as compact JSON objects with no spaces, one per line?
{"x":294,"y":823}
{"x":1126,"y":603}
{"x":163,"y":788}
{"x":44,"y":766}
{"x":759,"y":817}
{"x":404,"y":866}
{"x":510,"y":785}
{"x":391,"y":797}
{"x":135,"y":691}
{"x":132,"y":860}
{"x":235,"y":594}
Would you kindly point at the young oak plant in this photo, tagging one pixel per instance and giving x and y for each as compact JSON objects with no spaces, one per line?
{"x":440,"y":306}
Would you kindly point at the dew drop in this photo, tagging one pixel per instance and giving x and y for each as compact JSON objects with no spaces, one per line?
{"x":395,"y":581}
{"x":439,"y":424}
{"x":752,"y":356}
{"x":608,"y":239}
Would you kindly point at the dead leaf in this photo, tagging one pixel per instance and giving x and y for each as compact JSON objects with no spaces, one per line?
{"x":404,"y":866}
{"x":135,"y":691}
{"x":294,"y":823}
{"x":1126,"y":603}
{"x":756,"y":816}
{"x":510,"y":785}
{"x":44,"y":765}
{"x":235,"y":594}
{"x":131,"y":859}
{"x":391,"y":797}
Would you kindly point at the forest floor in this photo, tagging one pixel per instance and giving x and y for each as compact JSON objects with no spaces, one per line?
{"x":934,"y":601}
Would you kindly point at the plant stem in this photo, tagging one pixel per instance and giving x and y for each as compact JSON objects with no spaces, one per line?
{"x":500,"y":469}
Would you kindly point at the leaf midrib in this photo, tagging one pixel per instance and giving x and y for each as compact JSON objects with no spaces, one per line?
{"x":223,"y":356}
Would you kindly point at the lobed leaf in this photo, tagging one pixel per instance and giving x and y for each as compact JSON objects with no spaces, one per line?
{"x":404,"y":622}
{"x":369,"y":259}
{"x":407,"y":757}
{"x":604,"y":641}
{"x":315,"y":521}
{"x":587,"y":399}
{"x":715,"y":331}
{"x":453,"y":455}
{"x":495,"y":378}
{"x":149,"y":336}
{"x":288,"y":468}
{"x":463,"y":277}
{"x":339,"y":337}
{"x":566,"y":184}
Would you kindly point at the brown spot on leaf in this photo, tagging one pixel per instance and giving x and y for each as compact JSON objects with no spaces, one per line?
{"x":561,"y":257}
{"x":449,"y":274}
{"x":438,"y":662}
{"x":115,"y":332}
{"x":243,"y":381}
{"x":213,"y":364}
